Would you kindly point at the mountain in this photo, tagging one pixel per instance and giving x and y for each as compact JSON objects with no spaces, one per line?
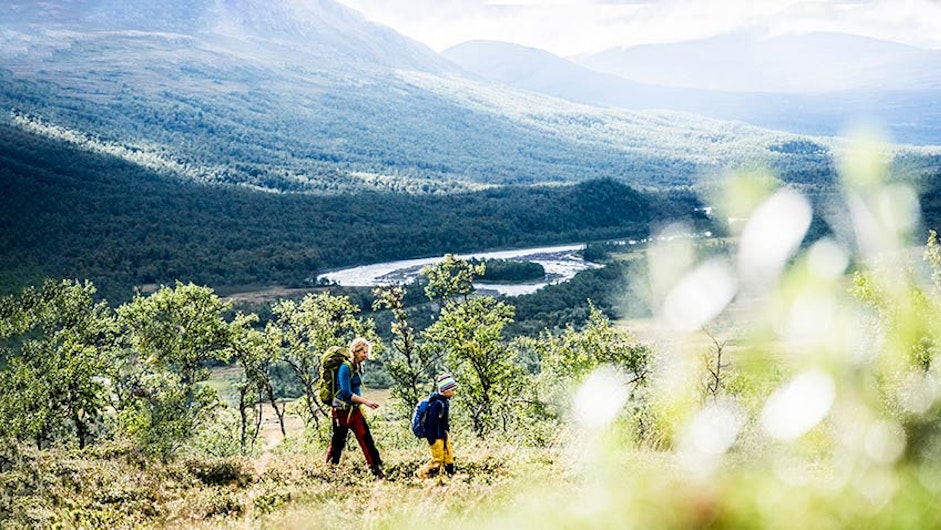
{"x":749,"y":62}
{"x":910,"y":116}
{"x":315,"y":33}
{"x":540,"y":71}
{"x":286,"y":95}
{"x":233,"y":142}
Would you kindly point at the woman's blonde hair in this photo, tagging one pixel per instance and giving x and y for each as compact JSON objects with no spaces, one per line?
{"x":359,"y":343}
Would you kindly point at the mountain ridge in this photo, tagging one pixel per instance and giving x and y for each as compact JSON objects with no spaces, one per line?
{"x":747,"y":61}
{"x":909,"y":116}
{"x":320,"y":29}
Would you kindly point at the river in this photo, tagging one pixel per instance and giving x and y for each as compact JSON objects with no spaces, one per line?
{"x":561,"y":264}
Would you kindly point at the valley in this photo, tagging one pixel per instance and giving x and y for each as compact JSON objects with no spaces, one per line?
{"x":140,"y":227}
{"x":717,"y":319}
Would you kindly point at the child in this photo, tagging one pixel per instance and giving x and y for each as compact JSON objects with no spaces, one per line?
{"x":436,"y":427}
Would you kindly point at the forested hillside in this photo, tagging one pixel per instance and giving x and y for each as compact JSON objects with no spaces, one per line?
{"x":71,"y":213}
{"x":311,"y":97}
{"x":416,"y":133}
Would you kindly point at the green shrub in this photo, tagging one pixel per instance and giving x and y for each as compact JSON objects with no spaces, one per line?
{"x":221,"y":471}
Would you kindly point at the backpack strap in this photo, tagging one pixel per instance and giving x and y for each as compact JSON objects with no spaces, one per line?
{"x":336,"y":393}
{"x":336,"y":379}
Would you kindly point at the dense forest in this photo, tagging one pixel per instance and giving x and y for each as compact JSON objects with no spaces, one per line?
{"x":71,"y":213}
{"x":510,"y":271}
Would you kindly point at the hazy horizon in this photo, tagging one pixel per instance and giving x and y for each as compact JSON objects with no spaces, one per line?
{"x":572,"y":27}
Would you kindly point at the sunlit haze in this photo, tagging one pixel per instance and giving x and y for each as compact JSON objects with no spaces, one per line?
{"x":570,"y":27}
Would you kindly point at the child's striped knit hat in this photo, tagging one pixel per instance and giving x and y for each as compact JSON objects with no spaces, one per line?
{"x":445,"y":382}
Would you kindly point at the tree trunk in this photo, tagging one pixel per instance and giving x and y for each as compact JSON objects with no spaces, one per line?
{"x":274,"y":404}
{"x":81,"y":429}
{"x":243,"y":420}
{"x":258,"y":414}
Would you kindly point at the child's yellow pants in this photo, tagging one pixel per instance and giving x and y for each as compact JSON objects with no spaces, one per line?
{"x":441,"y":455}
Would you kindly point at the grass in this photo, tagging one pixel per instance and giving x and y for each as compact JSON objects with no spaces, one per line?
{"x":290,"y":487}
{"x":592,"y":482}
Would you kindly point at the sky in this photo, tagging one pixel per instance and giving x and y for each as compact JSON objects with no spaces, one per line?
{"x":571,"y":27}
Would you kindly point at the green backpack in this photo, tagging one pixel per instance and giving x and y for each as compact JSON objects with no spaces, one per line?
{"x":329,"y":364}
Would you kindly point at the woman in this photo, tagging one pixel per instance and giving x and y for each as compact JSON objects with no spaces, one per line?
{"x":346,"y":409}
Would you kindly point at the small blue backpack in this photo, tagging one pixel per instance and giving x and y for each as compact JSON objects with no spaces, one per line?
{"x":419,"y":419}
